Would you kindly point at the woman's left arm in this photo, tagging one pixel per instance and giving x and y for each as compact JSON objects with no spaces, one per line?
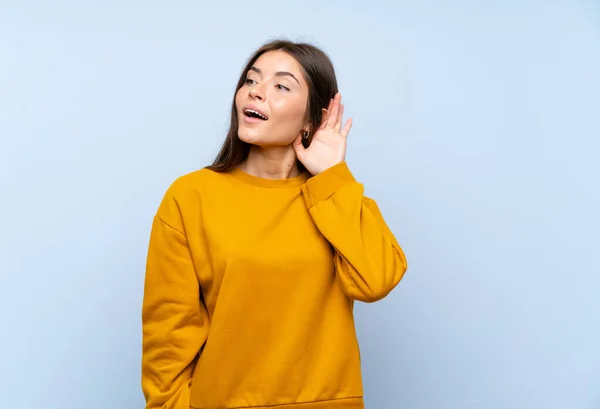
{"x":369,"y":262}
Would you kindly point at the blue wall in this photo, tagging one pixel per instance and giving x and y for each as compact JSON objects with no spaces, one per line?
{"x":476,"y":128}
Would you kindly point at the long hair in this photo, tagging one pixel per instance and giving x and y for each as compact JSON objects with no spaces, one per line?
{"x":322,"y":86}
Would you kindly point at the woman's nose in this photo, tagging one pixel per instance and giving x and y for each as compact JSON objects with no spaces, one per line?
{"x":257,"y":92}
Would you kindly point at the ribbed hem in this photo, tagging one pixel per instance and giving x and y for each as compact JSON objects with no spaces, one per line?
{"x":325,"y":184}
{"x":348,"y":403}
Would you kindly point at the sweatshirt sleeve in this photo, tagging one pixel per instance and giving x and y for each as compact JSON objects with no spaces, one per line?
{"x":368,"y":260}
{"x":174,"y":319}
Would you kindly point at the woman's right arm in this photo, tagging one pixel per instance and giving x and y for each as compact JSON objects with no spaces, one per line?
{"x":174,"y":319}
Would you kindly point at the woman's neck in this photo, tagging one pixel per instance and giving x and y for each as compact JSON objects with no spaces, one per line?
{"x":271,"y":162}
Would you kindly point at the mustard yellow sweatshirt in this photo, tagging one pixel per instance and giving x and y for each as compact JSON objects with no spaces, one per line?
{"x":249,"y":291}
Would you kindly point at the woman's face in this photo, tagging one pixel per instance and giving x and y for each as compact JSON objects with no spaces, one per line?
{"x":271,"y":105}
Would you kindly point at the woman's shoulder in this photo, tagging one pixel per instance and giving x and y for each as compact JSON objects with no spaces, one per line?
{"x":196,"y":182}
{"x":188,"y":191}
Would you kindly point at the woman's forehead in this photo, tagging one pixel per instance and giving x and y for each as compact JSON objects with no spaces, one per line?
{"x":273,"y":62}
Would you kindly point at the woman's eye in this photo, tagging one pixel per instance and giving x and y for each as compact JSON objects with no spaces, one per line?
{"x":250,"y":81}
{"x":279,"y":86}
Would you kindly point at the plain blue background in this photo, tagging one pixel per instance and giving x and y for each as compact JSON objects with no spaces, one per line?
{"x":476,"y":128}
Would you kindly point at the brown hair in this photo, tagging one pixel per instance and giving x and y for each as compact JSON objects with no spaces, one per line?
{"x":322,"y":86}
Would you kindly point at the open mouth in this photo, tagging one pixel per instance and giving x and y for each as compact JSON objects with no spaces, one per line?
{"x":251,"y":113}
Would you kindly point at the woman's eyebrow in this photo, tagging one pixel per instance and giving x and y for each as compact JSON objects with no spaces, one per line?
{"x":277,"y":74}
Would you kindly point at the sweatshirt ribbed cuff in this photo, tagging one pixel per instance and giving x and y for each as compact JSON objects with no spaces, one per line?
{"x":325,"y":184}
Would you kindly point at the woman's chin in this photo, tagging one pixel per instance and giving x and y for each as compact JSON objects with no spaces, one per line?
{"x":249,"y":137}
{"x":255,"y":138}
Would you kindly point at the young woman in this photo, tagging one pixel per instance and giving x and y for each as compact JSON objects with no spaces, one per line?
{"x":254,"y":262}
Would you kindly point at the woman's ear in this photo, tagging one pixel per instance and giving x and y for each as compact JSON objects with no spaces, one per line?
{"x":324,"y":115}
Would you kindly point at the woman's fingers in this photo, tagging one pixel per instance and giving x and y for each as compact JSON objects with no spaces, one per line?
{"x":347,"y":127}
{"x":334,"y":112}
{"x":338,"y":124}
